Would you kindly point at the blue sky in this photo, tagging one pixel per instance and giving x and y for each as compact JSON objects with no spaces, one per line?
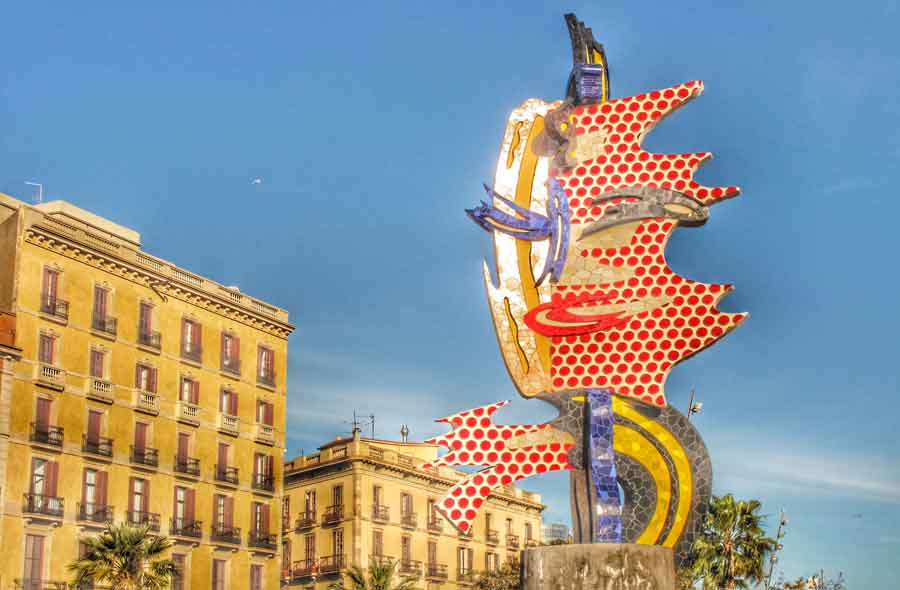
{"x":372,"y":127}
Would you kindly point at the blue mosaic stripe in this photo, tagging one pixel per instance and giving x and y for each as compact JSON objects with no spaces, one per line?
{"x":603,"y":467}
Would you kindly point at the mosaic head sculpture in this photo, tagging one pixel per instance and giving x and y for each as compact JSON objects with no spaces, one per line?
{"x":589,"y":316}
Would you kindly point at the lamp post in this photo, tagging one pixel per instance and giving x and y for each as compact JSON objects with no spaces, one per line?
{"x":773,"y":559}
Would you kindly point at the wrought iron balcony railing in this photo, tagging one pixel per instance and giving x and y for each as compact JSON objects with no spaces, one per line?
{"x":409,"y":520}
{"x":512,"y":541}
{"x":45,"y":505}
{"x":145,"y":456}
{"x":97,"y":445}
{"x":180,"y":527}
{"x":267,"y":380}
{"x":93,"y":512}
{"x":464,"y":576}
{"x":226,"y":474}
{"x":141,"y":518}
{"x":304,"y":568}
{"x":226,"y":534}
{"x":333,"y":514}
{"x":46,"y":435}
{"x":263,"y":541}
{"x":381,"y":513}
{"x":306,"y":520}
{"x":435,"y":525}
{"x":410,"y":567}
{"x":231,"y":365}
{"x":107,"y":325}
{"x":150,"y":339}
{"x":192,"y":354}
{"x":265,"y":483}
{"x":54,"y":306}
{"x":187,"y":466}
{"x":32,"y":584}
{"x":332,"y":563}
{"x":491,"y":537}
{"x":436,"y":571}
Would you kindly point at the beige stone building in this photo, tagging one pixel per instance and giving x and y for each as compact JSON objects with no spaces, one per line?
{"x":361,"y":499}
{"x":132,"y":389}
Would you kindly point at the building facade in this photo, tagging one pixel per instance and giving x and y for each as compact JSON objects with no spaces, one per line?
{"x":144,"y":393}
{"x":360,"y":499}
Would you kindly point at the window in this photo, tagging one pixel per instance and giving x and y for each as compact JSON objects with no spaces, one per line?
{"x":180,"y":503}
{"x":140,"y":436}
{"x":309,"y":502}
{"x":191,"y":340}
{"x":337,"y":542}
{"x":218,"y":574}
{"x":139,"y":500}
{"x":42,"y":416}
{"x":528,"y":532}
{"x":488,"y":517}
{"x":337,"y":495}
{"x":145,"y":324}
{"x":265,"y":365}
{"x":47,"y":349}
{"x":180,"y":571}
{"x":100,"y":319}
{"x":309,"y":548}
{"x":490,"y":561}
{"x":509,"y":526}
{"x":224,"y":449}
{"x":228,"y":402}
{"x":219,"y":511}
{"x":50,"y":301}
{"x":95,"y":420}
{"x":264,"y":412}
{"x":432,"y":552}
{"x":256,"y":577}
{"x":285,"y":554}
{"x":406,"y":504}
{"x":286,"y":513}
{"x":377,"y":495}
{"x":33,"y":570}
{"x":145,"y":378}
{"x":231,"y":353}
{"x":377,"y":543}
{"x":98,"y":363}
{"x":432,"y":511}
{"x":464,"y":561}
{"x":262,"y":470}
{"x":183,"y":450}
{"x":405,"y":549}
{"x":189,"y":391}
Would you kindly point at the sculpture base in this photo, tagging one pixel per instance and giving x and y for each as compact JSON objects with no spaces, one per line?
{"x":600,"y":566}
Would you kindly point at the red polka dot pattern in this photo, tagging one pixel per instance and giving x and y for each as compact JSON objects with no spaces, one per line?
{"x":476,"y":440}
{"x":620,"y":126}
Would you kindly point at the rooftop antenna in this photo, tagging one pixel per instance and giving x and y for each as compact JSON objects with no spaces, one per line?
{"x":372,"y":418}
{"x":40,"y":190}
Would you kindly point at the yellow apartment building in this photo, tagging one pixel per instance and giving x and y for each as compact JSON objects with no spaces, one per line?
{"x":144,"y":393}
{"x":362,"y":499}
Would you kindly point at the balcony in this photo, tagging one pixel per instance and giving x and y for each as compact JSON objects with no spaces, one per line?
{"x":55,"y":307}
{"x":99,"y":514}
{"x":262,"y":482}
{"x":304,"y":568}
{"x":225,"y":534}
{"x":51,"y":376}
{"x":152,"y":340}
{"x":194,"y":355}
{"x":179,"y":527}
{"x":436,"y":571}
{"x":187,"y":412}
{"x":409,"y":520}
{"x":48,"y":436}
{"x":101,"y":390}
{"x":145,"y":456}
{"x":381,"y":513}
{"x":51,"y":506}
{"x":332,"y":564}
{"x":410,"y":568}
{"x":187,"y":466}
{"x":512,"y":541}
{"x":381,"y":558}
{"x":226,"y":474}
{"x":491,"y":537}
{"x":232,"y":366}
{"x":141,"y":518}
{"x":265,"y":541}
{"x":435,"y":525}
{"x":465,"y":576}
{"x":333,"y":515}
{"x":306,"y":520}
{"x":266,"y":380}
{"x":105,"y":325}
{"x":264,"y":433}
{"x":146,"y":401}
{"x":531,"y":543}
{"x":27,"y":584}
{"x":228,"y":424}
{"x":97,"y":445}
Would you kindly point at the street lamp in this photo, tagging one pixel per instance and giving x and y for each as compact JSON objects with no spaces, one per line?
{"x":773,"y":559}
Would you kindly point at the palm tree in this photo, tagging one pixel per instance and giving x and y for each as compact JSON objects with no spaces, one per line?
{"x":378,"y":576}
{"x":732,"y":548}
{"x":125,"y":557}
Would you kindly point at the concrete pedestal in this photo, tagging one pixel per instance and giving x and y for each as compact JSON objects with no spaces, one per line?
{"x":600,"y":566}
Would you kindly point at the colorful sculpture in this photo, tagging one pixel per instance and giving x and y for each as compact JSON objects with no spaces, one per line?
{"x":589,"y":316}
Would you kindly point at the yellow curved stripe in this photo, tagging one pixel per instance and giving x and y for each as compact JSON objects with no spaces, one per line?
{"x":523,"y":247}
{"x":514,"y":332}
{"x":632,"y":443}
{"x":679,"y":458}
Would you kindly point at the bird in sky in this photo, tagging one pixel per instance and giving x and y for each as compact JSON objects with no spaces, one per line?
{"x":256,"y":180}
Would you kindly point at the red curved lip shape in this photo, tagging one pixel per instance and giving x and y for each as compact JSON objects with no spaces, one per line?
{"x":566,"y":321}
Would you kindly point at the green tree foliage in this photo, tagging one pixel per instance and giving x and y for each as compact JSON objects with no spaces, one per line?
{"x":507,"y":577}
{"x":125,"y":557}
{"x":732,"y":547}
{"x":378,"y":576}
